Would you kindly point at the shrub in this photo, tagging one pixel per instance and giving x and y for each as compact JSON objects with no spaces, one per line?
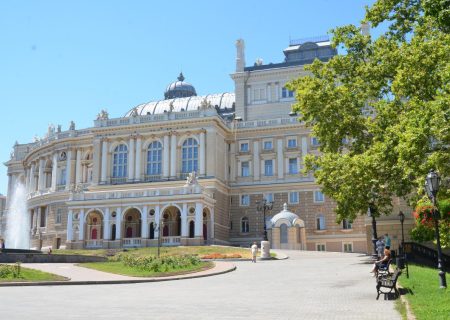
{"x":154,"y":264}
{"x":10,"y":271}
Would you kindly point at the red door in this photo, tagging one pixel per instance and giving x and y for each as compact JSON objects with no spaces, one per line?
{"x":94,"y":234}
{"x":129,"y":232}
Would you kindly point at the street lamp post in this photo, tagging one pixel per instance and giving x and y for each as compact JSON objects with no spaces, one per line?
{"x":372,"y":214}
{"x":262,"y":207}
{"x":402,"y":252}
{"x":432,"y":182}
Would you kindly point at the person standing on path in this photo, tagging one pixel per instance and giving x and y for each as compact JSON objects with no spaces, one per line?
{"x":380,"y":247}
{"x":387,"y":241}
{"x":254,"y":251}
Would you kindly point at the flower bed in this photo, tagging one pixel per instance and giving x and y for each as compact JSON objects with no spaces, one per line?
{"x":222,"y":256}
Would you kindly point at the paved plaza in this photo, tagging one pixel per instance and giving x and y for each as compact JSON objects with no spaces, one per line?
{"x":308,"y":285}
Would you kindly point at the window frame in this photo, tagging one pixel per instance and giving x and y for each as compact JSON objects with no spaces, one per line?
{"x":290,"y":166}
{"x":245,"y":225}
{"x":247,"y":167}
{"x":120,"y":161}
{"x":242,"y":197}
{"x":290,"y":199}
{"x":154,"y":149}
{"x":320,"y":223}
{"x":189,"y":155}
{"x":266,"y":166}
{"x":316,"y":193}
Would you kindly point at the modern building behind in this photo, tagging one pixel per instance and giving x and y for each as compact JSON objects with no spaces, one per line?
{"x":125,"y":181}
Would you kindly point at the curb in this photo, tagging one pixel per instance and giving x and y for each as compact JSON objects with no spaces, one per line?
{"x":76,"y":283}
{"x":409,"y":314}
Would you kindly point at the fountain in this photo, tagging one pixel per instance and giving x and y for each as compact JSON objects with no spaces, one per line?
{"x":17,"y":220}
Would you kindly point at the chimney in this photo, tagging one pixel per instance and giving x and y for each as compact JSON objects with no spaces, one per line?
{"x":240,"y":55}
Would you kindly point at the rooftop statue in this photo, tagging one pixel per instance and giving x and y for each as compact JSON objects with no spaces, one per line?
{"x":134,"y":112}
{"x":103,"y":115}
{"x":192,"y":178}
{"x":72,"y":125}
{"x":205,"y":104}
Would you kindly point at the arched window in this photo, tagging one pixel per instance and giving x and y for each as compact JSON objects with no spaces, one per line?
{"x":120,"y":161}
{"x":154,"y":158}
{"x":245,"y":228}
{"x":283,"y":233}
{"x":189,"y":156}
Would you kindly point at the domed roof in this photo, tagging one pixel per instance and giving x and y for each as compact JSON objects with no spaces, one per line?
{"x":284,"y":215}
{"x":179,"y":89}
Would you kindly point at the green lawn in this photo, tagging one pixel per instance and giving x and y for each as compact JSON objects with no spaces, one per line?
{"x":30,"y":275}
{"x":119,"y":268}
{"x":190,"y":250}
{"x":426,"y":299}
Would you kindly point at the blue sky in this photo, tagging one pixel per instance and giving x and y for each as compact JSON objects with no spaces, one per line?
{"x":67,"y":60}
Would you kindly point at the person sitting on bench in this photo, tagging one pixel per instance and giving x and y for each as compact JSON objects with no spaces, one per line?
{"x":382,"y":262}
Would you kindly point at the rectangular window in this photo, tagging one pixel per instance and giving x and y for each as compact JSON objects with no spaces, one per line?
{"x":62,"y":179}
{"x":268,"y":167}
{"x":318,"y":196}
{"x":268,"y":197}
{"x":293,"y":168}
{"x":244,"y":147}
{"x":292,"y":143}
{"x":58,"y":218}
{"x":43,"y":217}
{"x":259,"y":94}
{"x":245,"y":169}
{"x":320,"y":222}
{"x":320,"y":247}
{"x":285,"y":93}
{"x":268,"y":145}
{"x":346,"y":224}
{"x":348,"y":247}
{"x":315,"y":141}
{"x":245,"y":200}
{"x":293,"y":197}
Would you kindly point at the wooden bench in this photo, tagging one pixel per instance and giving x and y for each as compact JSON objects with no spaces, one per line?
{"x":387,"y":283}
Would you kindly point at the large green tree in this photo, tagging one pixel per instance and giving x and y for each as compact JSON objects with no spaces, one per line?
{"x":381,"y":111}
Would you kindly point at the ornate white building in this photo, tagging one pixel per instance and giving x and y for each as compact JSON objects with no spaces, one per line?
{"x":188,"y":168}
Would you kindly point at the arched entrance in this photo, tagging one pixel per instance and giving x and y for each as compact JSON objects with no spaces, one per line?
{"x":207,"y":225}
{"x":191,"y":229}
{"x":94,"y":229}
{"x":171,"y":226}
{"x":132,"y":228}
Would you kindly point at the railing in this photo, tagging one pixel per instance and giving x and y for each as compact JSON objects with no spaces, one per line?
{"x":94,"y":244}
{"x":132,"y":242}
{"x":118,"y":180}
{"x":60,"y":187}
{"x":171,"y":240}
{"x":267,"y":123}
{"x":152,"y":177}
{"x":424,"y":255}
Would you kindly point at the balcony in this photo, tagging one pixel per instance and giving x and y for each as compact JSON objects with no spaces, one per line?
{"x":120,"y":180}
{"x":171,"y":241}
{"x":153,"y":177}
{"x":93,"y":244}
{"x":132,"y":242}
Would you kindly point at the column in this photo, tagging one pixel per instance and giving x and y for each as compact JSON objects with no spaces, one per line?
{"x":131,"y":153}
{"x":269,"y":94}
{"x":69,"y":225}
{"x":144,"y":225}
{"x":104,"y":161}
{"x":41,"y":181}
{"x":69,"y":169}
{"x":202,"y":156}
{"x":199,"y":220}
{"x":184,"y":225}
{"x":78,"y":167}
{"x":256,"y":161}
{"x":106,"y":225}
{"x":81,"y":226}
{"x":277,"y":92}
{"x":31,"y":186}
{"x":173,"y":156}
{"x":304,"y":150}
{"x":157,"y":219}
{"x":54,"y":171}
{"x":212,"y":223}
{"x":96,"y":164}
{"x":232,"y":164}
{"x":280,"y":163}
{"x":137,"y":175}
{"x":165,"y":160}
{"x":118,"y":223}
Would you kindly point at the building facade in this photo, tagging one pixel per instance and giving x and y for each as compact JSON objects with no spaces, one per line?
{"x":188,"y":170}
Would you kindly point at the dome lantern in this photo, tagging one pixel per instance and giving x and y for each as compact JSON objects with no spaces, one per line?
{"x":179,"y":89}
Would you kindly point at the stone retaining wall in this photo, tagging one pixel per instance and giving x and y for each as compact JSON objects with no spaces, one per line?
{"x":47,"y":258}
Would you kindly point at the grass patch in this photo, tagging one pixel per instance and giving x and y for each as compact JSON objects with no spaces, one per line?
{"x":426,"y":299}
{"x":28,"y":275}
{"x":118,"y":267}
{"x":401,"y":308}
{"x":180,"y":250}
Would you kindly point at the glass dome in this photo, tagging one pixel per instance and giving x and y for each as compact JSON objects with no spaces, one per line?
{"x":179,"y":89}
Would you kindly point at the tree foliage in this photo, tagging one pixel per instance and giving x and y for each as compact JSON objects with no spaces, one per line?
{"x":381,"y":111}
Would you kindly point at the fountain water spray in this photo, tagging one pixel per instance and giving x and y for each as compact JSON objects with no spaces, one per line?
{"x":17,"y":219}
